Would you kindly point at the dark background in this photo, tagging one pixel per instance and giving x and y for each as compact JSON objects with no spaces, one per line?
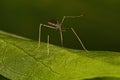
{"x":99,"y":28}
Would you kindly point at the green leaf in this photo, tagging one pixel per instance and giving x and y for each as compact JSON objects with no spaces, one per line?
{"x":20,"y":59}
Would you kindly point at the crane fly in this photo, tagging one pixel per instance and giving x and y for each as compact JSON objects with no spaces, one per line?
{"x":58,"y":26}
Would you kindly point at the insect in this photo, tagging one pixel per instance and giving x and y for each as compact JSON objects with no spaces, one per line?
{"x":58,"y":26}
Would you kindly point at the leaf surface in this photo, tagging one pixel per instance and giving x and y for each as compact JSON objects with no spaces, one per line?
{"x":20,"y":59}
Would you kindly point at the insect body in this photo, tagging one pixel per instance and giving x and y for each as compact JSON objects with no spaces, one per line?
{"x":56,"y":24}
{"x":53,"y":22}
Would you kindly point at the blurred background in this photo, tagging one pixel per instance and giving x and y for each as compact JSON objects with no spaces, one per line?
{"x":99,"y":28}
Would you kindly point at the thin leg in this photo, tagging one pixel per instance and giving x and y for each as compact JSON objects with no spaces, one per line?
{"x":40,"y":27}
{"x":64,"y":17}
{"x":61,"y":37}
{"x":79,"y":39}
{"x":39,"y":40}
{"x":49,"y":26}
{"x":48,"y":40}
{"x":62,"y":23}
{"x":62,"y":20}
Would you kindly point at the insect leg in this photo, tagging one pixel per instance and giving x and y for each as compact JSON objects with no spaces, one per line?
{"x":39,"y":36}
{"x":79,"y":40}
{"x":48,"y":40}
{"x":62,"y":20}
{"x":64,"y":17}
{"x":61,"y":37}
{"x":40,"y":28}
